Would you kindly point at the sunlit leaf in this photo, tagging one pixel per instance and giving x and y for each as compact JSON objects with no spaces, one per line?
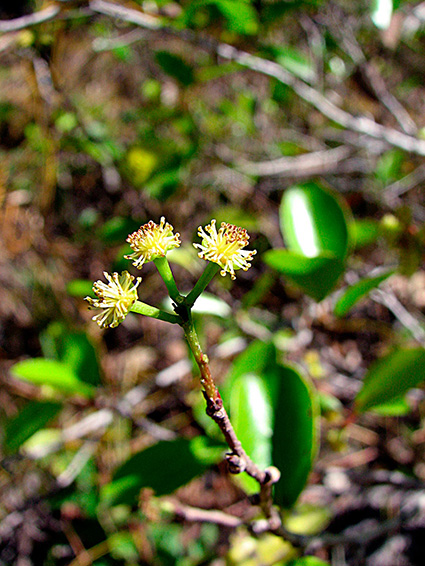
{"x":251,"y":411}
{"x":381,"y":13}
{"x":313,"y":221}
{"x":51,"y":373}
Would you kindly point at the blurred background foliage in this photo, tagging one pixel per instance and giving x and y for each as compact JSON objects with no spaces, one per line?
{"x":302,"y":121}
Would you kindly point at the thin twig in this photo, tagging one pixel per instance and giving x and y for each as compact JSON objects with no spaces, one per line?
{"x":371,"y":74}
{"x":36,"y":18}
{"x":321,"y":102}
{"x":360,"y":124}
{"x":314,"y":163}
{"x":389,"y":300}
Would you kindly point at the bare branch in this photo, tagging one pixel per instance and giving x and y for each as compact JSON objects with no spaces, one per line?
{"x":314,"y":163}
{"x":360,"y":124}
{"x":36,"y":18}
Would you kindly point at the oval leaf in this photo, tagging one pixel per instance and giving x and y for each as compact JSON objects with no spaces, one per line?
{"x":163,"y":467}
{"x":356,"y":292}
{"x":41,"y":371}
{"x":295,"y":440}
{"x":34,"y":416}
{"x":316,"y":276}
{"x":251,"y":413}
{"x":313,"y":221}
{"x":391,"y":377}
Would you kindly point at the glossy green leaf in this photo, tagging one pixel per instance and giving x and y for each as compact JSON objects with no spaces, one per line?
{"x":316,"y":276}
{"x":163,"y":467}
{"x":295,"y":440}
{"x":34,"y":416}
{"x":357,"y":291}
{"x":251,"y":413}
{"x":175,"y":67}
{"x":391,"y":377}
{"x":381,"y":13}
{"x":313,"y":221}
{"x":51,"y":373}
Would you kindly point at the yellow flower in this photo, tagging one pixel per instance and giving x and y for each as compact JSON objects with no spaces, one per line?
{"x":151,"y":241}
{"x":116,"y":298}
{"x":225,"y":247}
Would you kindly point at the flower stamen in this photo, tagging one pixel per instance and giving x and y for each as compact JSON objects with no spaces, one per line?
{"x":115,"y":298}
{"x":224,"y":247}
{"x":151,"y":241}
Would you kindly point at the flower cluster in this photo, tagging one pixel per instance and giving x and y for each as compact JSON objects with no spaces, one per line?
{"x":116,"y":298}
{"x":224,"y":247}
{"x":151,"y":241}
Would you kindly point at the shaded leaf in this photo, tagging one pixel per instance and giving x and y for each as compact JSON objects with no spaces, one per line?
{"x":295,"y":440}
{"x":163,"y":467}
{"x":357,"y":291}
{"x":34,"y":416}
{"x":316,"y":276}
{"x":391,"y":377}
{"x":175,"y":67}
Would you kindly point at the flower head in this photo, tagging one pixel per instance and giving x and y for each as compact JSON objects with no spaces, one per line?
{"x":225,"y":247}
{"x":151,"y":241}
{"x":116,"y":298}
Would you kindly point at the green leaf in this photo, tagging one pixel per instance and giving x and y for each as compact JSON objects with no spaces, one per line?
{"x":80,"y":288}
{"x":394,"y":408}
{"x":316,"y":276}
{"x":357,"y":291}
{"x":34,"y":416}
{"x":313,"y":221}
{"x":257,"y":357}
{"x":295,"y":62}
{"x":391,"y":377}
{"x":240,"y":15}
{"x":51,"y":373}
{"x":295,"y":439}
{"x":308,"y":561}
{"x":175,"y":67}
{"x":251,"y":413}
{"x":388,"y":168}
{"x":364,"y":232}
{"x":381,"y":13}
{"x":163,"y":467}
{"x":74,"y":349}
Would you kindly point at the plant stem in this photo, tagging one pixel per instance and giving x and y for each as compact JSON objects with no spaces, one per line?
{"x":238,"y":460}
{"x":167,"y":275}
{"x":153,"y":312}
{"x":200,"y":286}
